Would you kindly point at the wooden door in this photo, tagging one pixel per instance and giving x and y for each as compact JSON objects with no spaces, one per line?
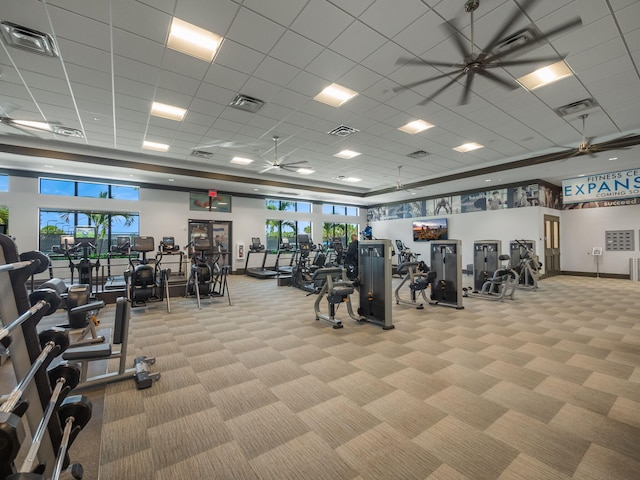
{"x":551,"y":245}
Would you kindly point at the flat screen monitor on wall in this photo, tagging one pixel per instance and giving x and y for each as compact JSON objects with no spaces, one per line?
{"x":428,"y":230}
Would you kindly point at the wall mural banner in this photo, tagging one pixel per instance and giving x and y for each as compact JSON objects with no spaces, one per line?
{"x":604,"y":187}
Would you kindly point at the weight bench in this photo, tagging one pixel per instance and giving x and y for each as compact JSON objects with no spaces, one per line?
{"x":80,"y":311}
{"x":90,"y":353}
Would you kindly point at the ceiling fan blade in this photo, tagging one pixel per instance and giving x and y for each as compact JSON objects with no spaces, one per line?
{"x":290,"y":164}
{"x":497,"y":37}
{"x":575,"y":22}
{"x":464,"y":99}
{"x":421,"y":62}
{"x":267,"y":168}
{"x":524,"y":61}
{"x":442,"y":89}
{"x":452,"y":29}
{"x":426,"y":80}
{"x":501,"y":81}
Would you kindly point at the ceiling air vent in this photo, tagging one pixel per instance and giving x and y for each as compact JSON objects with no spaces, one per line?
{"x":28,"y":39}
{"x":67,"y":131}
{"x":518,"y":39}
{"x":246,"y":103}
{"x":576,"y":107}
{"x":418,"y":154}
{"x":201,"y":154}
{"x":289,"y":194}
{"x":343,"y":131}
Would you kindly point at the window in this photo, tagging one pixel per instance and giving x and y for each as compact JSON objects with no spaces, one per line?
{"x":329,"y":209}
{"x":276,"y":230}
{"x":55,"y":224}
{"x":288,"y":206}
{"x":4,"y":183}
{"x":338,"y":232}
{"x":70,"y":188}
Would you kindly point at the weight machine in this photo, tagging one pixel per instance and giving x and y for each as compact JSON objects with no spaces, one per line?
{"x":419,"y":281}
{"x":374,"y":267}
{"x":446,"y":288}
{"x":337,"y":289}
{"x":526,"y":263}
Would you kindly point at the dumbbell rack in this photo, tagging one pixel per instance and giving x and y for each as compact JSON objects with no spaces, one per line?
{"x":25,"y":348}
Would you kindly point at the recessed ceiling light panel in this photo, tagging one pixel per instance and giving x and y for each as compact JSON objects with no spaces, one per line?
{"x":416,"y":126}
{"x":351,"y":179}
{"x":545,"y":75}
{"x":467,"y":147}
{"x":158,"y":147}
{"x":241,"y":161}
{"x":335,"y":95}
{"x":348,"y":154}
{"x":195,"y":41}
{"x":305,"y":171}
{"x":167,"y":111}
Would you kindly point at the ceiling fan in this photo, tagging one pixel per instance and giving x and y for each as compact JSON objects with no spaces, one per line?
{"x":399,"y":185}
{"x":280,"y":164}
{"x":588,"y":148}
{"x":480,"y":63}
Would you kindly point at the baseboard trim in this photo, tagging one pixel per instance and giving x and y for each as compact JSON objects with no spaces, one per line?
{"x":619,"y":276}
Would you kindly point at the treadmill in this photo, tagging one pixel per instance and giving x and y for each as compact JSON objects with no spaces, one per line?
{"x":261,"y":271}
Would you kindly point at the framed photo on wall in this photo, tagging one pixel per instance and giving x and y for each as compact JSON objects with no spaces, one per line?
{"x":202,"y":202}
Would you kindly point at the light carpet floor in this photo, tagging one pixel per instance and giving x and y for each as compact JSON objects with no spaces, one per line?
{"x":543,"y":387}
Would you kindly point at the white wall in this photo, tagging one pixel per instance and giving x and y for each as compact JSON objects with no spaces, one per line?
{"x":166,"y":213}
{"x":162,"y":213}
{"x":504,"y":225}
{"x":583,"y":229}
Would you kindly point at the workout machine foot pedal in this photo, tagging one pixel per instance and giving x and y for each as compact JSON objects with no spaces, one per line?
{"x":144,"y":377}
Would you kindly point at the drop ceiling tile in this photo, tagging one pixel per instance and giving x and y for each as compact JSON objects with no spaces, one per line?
{"x":321,"y":22}
{"x":385,"y":18}
{"x":238,"y":57}
{"x":255,"y":31}
{"x":130,"y":69}
{"x":295,"y":49}
{"x":80,"y":29}
{"x":175,"y":82}
{"x":275,"y":71}
{"x":183,"y":64}
{"x":201,"y":14}
{"x":357,"y":42}
{"x":137,"y":48}
{"x":330,"y":66}
{"x":280,"y":11}
{"x":141,"y":19}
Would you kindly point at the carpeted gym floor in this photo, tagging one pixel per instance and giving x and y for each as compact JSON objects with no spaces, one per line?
{"x":542,"y":387}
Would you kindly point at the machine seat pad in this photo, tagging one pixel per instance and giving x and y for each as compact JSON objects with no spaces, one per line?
{"x":342,"y":290}
{"x":88,"y":353}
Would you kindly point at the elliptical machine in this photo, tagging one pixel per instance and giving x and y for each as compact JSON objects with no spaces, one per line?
{"x":207,"y":278}
{"x":84,"y":239}
{"x":146,"y":281}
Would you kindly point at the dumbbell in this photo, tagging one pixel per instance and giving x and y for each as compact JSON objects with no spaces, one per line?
{"x":53,"y":341}
{"x":41,"y":306}
{"x":65,"y":377}
{"x":74,"y":414}
{"x":48,"y":295}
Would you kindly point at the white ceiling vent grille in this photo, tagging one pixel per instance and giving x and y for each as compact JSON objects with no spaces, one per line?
{"x":343,"y":131}
{"x":518,"y":39}
{"x":28,"y":39}
{"x":67,"y":131}
{"x":418,"y":154}
{"x":289,"y":194}
{"x":576,"y":107}
{"x":201,"y":154}
{"x":246,"y":103}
